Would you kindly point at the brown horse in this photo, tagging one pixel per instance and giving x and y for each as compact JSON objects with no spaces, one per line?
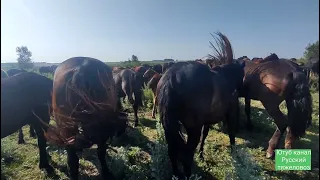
{"x":152,"y":81}
{"x":84,"y":105}
{"x":191,"y":94}
{"x":272,"y":82}
{"x":24,"y":97}
{"x":4,"y":74}
{"x":129,"y":83}
{"x":140,"y":69}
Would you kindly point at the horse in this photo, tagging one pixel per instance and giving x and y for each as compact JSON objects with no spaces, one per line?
{"x":140,"y":69}
{"x":166,"y":66}
{"x":45,"y":69}
{"x":3,"y":74}
{"x":152,"y":78}
{"x":129,"y":83}
{"x":195,"y":96}
{"x":85,"y":110}
{"x":13,"y":72}
{"x":157,"y":68}
{"x":22,"y":104}
{"x":271,"y":83}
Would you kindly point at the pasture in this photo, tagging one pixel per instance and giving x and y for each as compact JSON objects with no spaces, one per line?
{"x":141,"y":153}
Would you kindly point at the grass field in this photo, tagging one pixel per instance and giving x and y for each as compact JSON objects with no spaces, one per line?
{"x":141,"y":152}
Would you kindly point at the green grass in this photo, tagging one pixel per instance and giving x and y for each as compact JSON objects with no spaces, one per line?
{"x":142,"y":152}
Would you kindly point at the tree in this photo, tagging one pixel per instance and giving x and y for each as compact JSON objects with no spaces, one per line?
{"x":312,"y":50}
{"x":24,"y":57}
{"x":134,"y":58}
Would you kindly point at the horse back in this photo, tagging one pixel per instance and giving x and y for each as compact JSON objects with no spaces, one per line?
{"x":80,"y":78}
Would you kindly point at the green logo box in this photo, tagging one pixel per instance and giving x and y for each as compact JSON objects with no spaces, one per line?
{"x":293,"y":159}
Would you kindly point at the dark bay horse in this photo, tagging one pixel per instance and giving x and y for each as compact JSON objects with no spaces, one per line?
{"x":272,"y":82}
{"x":166,"y":66}
{"x":24,"y":98}
{"x":85,"y":109}
{"x":129,"y":83}
{"x":152,"y":79}
{"x":191,"y":94}
{"x":157,"y":68}
{"x":13,"y":72}
{"x":4,"y":74}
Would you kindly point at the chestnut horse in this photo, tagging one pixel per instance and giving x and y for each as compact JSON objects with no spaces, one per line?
{"x":85,"y":109}
{"x":25,"y":97}
{"x":191,"y":94}
{"x":272,"y":82}
{"x":152,"y":78}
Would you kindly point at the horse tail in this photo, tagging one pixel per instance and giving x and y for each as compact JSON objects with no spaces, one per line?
{"x":299,"y":103}
{"x":168,"y":103}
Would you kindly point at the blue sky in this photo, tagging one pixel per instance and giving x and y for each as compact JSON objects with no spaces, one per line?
{"x":113,"y":30}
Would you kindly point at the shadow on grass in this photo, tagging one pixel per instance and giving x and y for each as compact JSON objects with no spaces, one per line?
{"x":148,"y":123}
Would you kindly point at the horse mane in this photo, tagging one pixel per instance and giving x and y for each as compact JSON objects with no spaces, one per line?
{"x":271,"y":57}
{"x":222,"y":51}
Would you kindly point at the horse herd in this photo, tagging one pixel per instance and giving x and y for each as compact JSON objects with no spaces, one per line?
{"x":85,"y":98}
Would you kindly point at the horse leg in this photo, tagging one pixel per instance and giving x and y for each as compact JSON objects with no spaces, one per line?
{"x":31,"y":132}
{"x":193,"y":140}
{"x":205,"y":132}
{"x":249,"y":125}
{"x":42,"y":144}
{"x":101,"y":152}
{"x":20,"y":137}
{"x":174,"y":141}
{"x":135,"y":111}
{"x":154,"y":109}
{"x":280,"y":120}
{"x":73,"y":163}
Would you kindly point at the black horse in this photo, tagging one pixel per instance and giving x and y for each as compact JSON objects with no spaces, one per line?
{"x":22,"y":104}
{"x":129,"y":83}
{"x":191,"y":94}
{"x":84,"y":105}
{"x":13,"y":72}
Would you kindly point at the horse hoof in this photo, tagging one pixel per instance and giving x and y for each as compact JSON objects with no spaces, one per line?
{"x":270,"y":155}
{"x":49,"y":169}
{"x":21,"y":141}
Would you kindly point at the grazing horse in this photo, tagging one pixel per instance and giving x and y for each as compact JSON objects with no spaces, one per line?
{"x":22,"y":104}
{"x":271,"y":83}
{"x":85,"y":110}
{"x":129,"y":83}
{"x":3,"y":74}
{"x":152,"y":78}
{"x":13,"y":72}
{"x":189,"y":93}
